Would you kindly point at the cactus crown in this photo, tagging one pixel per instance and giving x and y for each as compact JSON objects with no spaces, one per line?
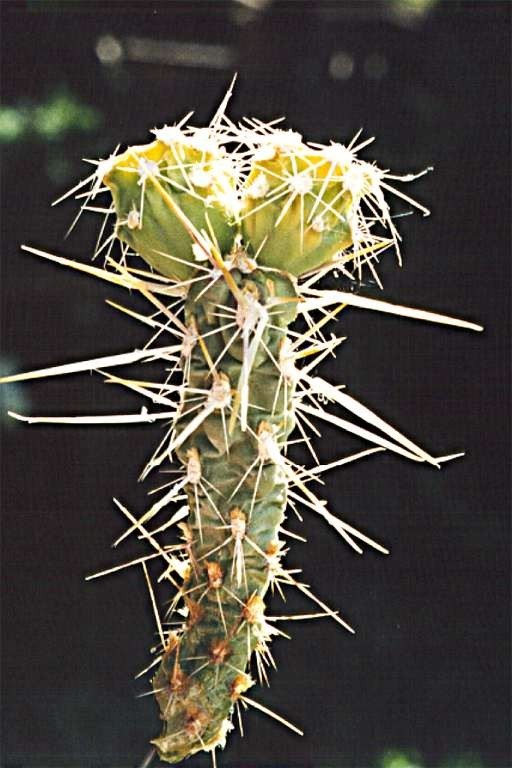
{"x":189,"y":197}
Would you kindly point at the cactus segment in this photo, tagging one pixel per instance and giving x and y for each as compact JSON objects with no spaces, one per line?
{"x":297,"y":211}
{"x":241,"y":237}
{"x":170,"y":194}
{"x":234,"y":523}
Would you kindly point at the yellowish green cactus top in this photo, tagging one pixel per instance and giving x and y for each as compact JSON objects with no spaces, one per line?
{"x":290,"y":205}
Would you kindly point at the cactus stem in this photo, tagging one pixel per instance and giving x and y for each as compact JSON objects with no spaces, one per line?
{"x":234,"y":242}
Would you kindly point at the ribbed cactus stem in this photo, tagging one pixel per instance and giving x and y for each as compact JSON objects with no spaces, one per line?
{"x":237,"y":498}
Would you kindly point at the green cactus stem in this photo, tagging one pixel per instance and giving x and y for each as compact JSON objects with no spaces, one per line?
{"x":233,"y":527}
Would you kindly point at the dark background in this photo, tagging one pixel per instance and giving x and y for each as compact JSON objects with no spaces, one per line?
{"x":425,"y":680}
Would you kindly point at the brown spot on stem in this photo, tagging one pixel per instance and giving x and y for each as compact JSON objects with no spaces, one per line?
{"x":196,"y":720}
{"x":171,"y":644}
{"x":215,"y":574}
{"x":239,"y":685}
{"x":219,"y":651}
{"x":254,"y":609}
{"x":178,"y":681}
{"x":272,"y":548}
{"x":195,"y":612}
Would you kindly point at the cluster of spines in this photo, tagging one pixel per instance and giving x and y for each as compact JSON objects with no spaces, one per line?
{"x":320,"y":203}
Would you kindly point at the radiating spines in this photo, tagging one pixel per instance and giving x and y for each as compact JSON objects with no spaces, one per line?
{"x":175,"y":199}
{"x":252,"y":189}
{"x":296,"y":208}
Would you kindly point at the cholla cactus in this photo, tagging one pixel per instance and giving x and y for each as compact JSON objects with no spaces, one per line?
{"x":238,"y":238}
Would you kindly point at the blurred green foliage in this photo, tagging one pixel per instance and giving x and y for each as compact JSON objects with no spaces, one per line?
{"x":52,"y":120}
{"x":412,"y":759}
{"x":397,"y":759}
{"x":462,"y":761}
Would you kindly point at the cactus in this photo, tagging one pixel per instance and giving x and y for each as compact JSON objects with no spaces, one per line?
{"x":239,"y":238}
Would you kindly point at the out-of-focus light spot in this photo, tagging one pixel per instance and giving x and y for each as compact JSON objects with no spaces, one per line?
{"x":376,"y":66}
{"x":411,"y":12}
{"x":245,"y":12}
{"x":257,"y":5}
{"x":52,"y":120}
{"x":205,"y":55}
{"x":341,"y":66}
{"x":399,"y":760}
{"x":109,"y":50}
{"x":12,"y":124}
{"x":62,"y":113}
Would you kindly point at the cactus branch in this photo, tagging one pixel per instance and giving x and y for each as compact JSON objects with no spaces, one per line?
{"x":225,"y":231}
